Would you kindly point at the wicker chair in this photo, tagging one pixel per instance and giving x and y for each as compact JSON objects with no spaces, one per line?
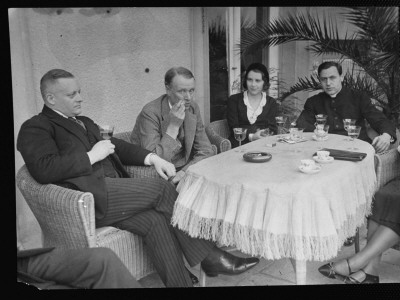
{"x":387,"y":167}
{"x":137,"y":171}
{"x":218,"y":134}
{"x":67,"y":219}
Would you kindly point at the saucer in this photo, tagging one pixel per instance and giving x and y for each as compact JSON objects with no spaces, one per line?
{"x":323,"y":161}
{"x":312,"y":171}
{"x":323,"y":139}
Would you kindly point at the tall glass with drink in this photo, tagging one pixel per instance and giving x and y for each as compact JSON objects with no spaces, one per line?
{"x":346,"y":123}
{"x":106,"y":131}
{"x":320,"y":119}
{"x":240,"y":135}
{"x":280,"y":122}
{"x":353,"y":131}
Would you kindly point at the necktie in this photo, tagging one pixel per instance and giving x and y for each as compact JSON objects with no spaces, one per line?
{"x":78,"y":122}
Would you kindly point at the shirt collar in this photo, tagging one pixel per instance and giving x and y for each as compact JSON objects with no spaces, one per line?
{"x":60,"y":113}
{"x":246,"y":100}
{"x":334,"y":96}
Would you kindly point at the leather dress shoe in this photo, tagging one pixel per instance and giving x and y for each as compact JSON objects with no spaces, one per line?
{"x":194,"y":279}
{"x":328,"y":271}
{"x":222,"y":262}
{"x":368,"y":279}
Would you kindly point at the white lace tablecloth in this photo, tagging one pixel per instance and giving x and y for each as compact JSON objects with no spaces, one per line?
{"x":272,"y":209}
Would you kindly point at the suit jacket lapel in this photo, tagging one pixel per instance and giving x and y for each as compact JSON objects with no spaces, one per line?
{"x":164,"y":114}
{"x":190,"y":131}
{"x":67,"y":124}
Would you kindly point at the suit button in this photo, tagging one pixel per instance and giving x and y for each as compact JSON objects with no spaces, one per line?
{"x":337,"y":126}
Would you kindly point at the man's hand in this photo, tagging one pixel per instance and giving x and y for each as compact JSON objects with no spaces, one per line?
{"x":176,"y":117}
{"x":100,"y":151}
{"x":178,"y":177}
{"x":164,"y":168}
{"x":381,"y":142}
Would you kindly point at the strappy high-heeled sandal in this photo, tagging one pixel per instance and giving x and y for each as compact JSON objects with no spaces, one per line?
{"x":368,"y":279}
{"x":328,"y":271}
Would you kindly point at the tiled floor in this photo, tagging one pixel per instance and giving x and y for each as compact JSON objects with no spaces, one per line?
{"x":280,"y":272}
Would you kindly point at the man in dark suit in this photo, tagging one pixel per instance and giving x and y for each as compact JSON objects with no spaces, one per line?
{"x":171,"y":125}
{"x":89,"y":268}
{"x":60,"y":148}
{"x":338,"y":103}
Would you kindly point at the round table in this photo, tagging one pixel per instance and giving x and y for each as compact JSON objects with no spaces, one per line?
{"x":273,"y":210}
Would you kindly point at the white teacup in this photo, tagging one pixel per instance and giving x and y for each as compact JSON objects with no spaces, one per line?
{"x":323,"y":155}
{"x":307,"y":164}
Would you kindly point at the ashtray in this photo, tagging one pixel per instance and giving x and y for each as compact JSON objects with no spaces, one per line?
{"x":256,"y":156}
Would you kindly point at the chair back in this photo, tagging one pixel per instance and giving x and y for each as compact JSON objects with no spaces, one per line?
{"x":65,"y":216}
{"x":219,"y":127}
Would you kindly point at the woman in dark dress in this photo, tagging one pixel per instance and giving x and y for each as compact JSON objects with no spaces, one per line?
{"x":383,"y":233}
{"x":252,"y":109}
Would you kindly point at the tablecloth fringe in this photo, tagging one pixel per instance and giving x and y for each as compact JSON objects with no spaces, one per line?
{"x":270,"y":246}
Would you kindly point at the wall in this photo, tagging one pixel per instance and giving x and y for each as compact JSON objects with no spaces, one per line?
{"x":108,"y":50}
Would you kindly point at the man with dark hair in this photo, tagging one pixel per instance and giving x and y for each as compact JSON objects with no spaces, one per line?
{"x":338,"y":103}
{"x":62,"y":148}
{"x":171,"y":125}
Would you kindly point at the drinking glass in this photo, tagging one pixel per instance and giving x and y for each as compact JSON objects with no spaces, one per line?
{"x":321,"y":131}
{"x":296,"y":134}
{"x":346,"y":123}
{"x":106,"y":131}
{"x":280,"y":122}
{"x":320,"y":119}
{"x":240,"y":135}
{"x":353,"y":132}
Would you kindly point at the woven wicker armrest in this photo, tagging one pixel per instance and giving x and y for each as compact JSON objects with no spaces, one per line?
{"x":387,"y":166}
{"x":220,"y":142}
{"x":63,"y":214}
{"x":142,"y":171}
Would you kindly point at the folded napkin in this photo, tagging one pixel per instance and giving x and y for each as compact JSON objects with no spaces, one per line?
{"x":345,"y":155}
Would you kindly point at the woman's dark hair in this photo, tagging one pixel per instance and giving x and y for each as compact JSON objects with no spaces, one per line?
{"x":259,"y":68}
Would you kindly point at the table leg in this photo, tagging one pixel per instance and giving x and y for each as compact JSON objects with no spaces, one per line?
{"x":203,"y":276}
{"x":300,"y":268}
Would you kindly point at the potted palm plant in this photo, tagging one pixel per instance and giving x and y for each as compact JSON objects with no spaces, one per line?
{"x":374,"y":48}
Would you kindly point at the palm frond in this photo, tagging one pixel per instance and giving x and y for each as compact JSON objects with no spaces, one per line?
{"x":304,"y":27}
{"x":305,"y":84}
{"x":379,"y":26}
